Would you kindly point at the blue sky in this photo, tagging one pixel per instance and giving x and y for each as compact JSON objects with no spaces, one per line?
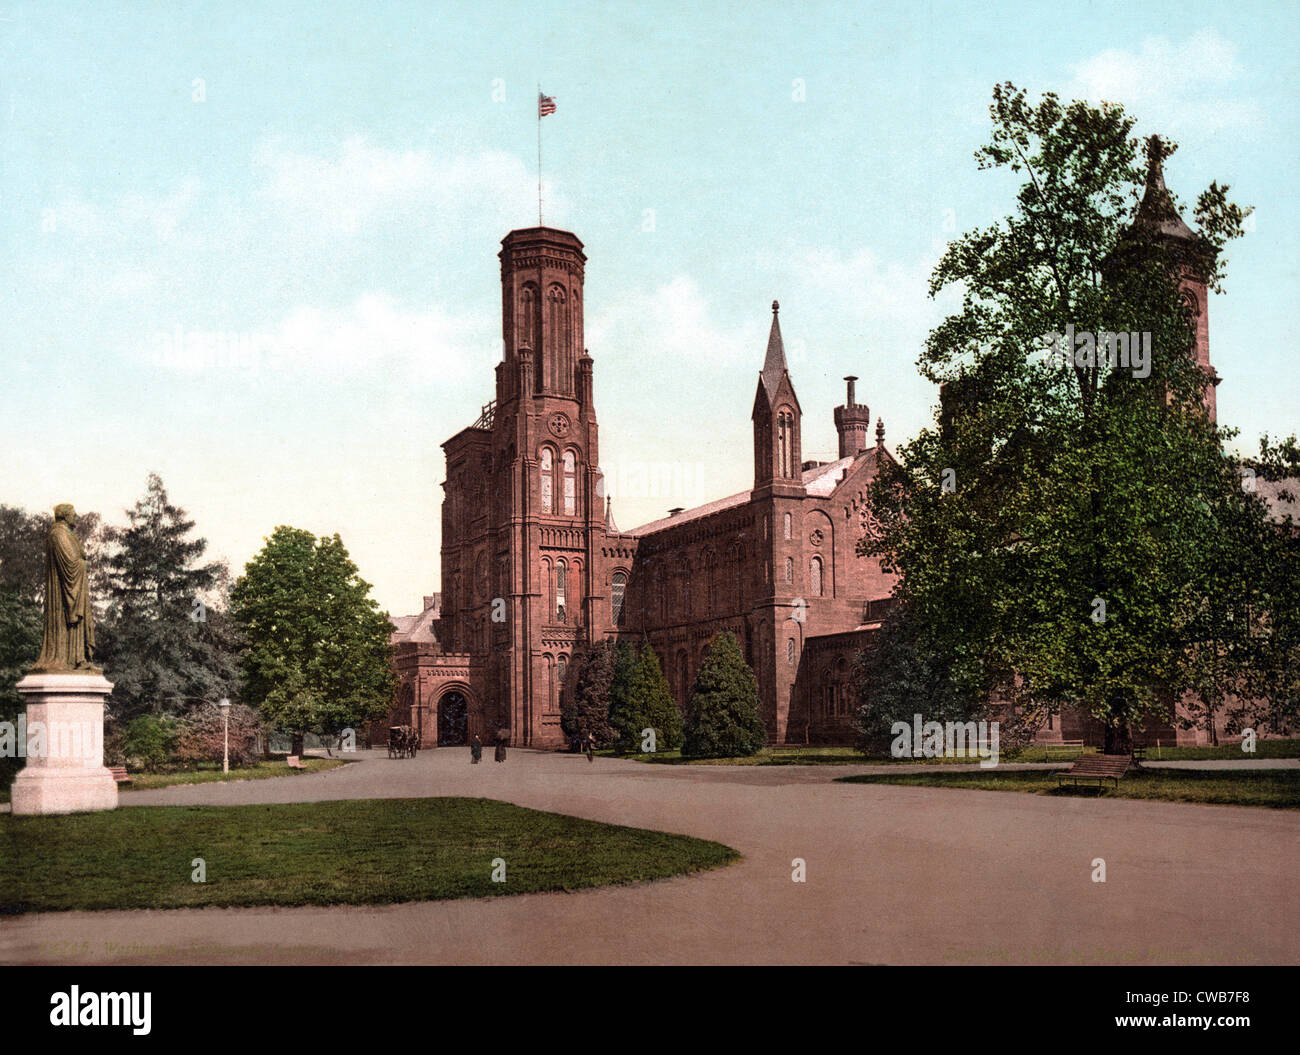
{"x":311,"y":197}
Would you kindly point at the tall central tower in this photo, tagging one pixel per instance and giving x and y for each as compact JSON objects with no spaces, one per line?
{"x":547,"y":501}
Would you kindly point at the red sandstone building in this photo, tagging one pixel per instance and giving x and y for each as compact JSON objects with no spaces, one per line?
{"x":534,"y":570}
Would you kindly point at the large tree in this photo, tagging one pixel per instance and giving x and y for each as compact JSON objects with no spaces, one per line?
{"x":167,"y":644}
{"x":722,"y":719}
{"x":1056,"y":532}
{"x":317,"y":656}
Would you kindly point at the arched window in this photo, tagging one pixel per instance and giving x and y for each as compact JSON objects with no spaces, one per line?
{"x":526,"y":336}
{"x":787,"y":526}
{"x":570,"y":485}
{"x":561,"y":591}
{"x":618,"y":590}
{"x":546,"y":479}
{"x":815,"y":576}
{"x":549,"y":660}
{"x":789,"y":569}
{"x":785,"y":443}
{"x":561,"y":668}
{"x":789,"y":651}
{"x":711,"y":581}
{"x":683,"y":679}
{"x":557,"y":325}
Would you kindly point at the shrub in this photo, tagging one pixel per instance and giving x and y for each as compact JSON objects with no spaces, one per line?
{"x":201,"y":735}
{"x":148,"y":741}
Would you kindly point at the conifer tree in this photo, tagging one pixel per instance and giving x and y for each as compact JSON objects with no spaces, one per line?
{"x":722,"y":719}
{"x":586,"y":710}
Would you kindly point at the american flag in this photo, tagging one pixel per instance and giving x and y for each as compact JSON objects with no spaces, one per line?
{"x":545,"y":105}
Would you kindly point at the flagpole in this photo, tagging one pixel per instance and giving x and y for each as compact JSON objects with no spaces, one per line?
{"x":539,"y":155}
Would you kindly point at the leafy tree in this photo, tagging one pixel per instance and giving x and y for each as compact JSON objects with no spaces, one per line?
{"x":317,"y":658}
{"x":899,"y":676}
{"x":166,"y":640}
{"x":586,"y":710}
{"x":722,"y":719}
{"x":1053,"y":532}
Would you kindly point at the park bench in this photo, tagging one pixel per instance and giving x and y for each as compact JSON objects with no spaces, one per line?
{"x":1096,"y":767}
{"x":120,"y":774}
{"x":294,"y":763}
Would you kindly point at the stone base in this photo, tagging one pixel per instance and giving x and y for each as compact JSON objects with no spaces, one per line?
{"x":65,"y":770}
{"x":55,"y":791}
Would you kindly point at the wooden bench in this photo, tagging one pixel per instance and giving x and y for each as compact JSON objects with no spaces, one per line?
{"x":120,"y":774}
{"x":1096,"y":767}
{"x":294,"y":763}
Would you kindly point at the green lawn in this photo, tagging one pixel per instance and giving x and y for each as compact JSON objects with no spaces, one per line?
{"x":211,"y":771}
{"x":845,"y":756}
{"x":373,"y":851}
{"x":1278,"y":789}
{"x":206,"y":772}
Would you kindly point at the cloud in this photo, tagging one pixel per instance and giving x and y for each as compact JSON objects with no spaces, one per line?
{"x":376,"y":334}
{"x":362,"y":184}
{"x":674,"y":323}
{"x":1181,"y":85}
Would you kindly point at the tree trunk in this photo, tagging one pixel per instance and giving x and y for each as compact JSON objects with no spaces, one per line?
{"x":1119,"y":738}
{"x":296,"y":747}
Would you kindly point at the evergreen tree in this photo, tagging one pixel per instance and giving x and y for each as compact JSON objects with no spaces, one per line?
{"x":657,"y":702}
{"x":626,"y":716}
{"x":722,"y":719}
{"x":586,"y":709}
{"x":165,"y":643}
{"x":318,"y":658}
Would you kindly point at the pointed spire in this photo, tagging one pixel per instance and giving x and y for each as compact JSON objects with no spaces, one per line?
{"x":774,"y":365}
{"x":610,"y":527}
{"x":1157,"y":207}
{"x":880,"y":433}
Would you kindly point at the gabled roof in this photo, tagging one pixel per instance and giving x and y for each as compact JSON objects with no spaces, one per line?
{"x":819,"y":481}
{"x":417,"y":627}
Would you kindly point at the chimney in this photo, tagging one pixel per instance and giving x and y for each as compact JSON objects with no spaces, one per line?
{"x":852,"y":421}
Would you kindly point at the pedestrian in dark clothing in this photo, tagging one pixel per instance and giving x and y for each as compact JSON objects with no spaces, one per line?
{"x":476,"y":750}
{"x":501,"y":749}
{"x":591,"y":748}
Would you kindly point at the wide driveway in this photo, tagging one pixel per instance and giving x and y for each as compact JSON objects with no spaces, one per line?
{"x":891,"y":875}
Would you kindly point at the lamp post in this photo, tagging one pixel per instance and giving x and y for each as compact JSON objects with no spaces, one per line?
{"x":225,"y":732}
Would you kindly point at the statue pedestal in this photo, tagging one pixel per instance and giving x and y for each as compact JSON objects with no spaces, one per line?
{"x":64,"y":738}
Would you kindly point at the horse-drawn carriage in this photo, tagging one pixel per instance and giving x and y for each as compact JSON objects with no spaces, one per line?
{"x":403,"y":741}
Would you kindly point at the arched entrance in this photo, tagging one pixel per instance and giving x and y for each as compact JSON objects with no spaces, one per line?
{"x":453,"y":719}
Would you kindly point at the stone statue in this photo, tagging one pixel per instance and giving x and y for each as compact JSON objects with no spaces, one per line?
{"x":69,"y":644}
